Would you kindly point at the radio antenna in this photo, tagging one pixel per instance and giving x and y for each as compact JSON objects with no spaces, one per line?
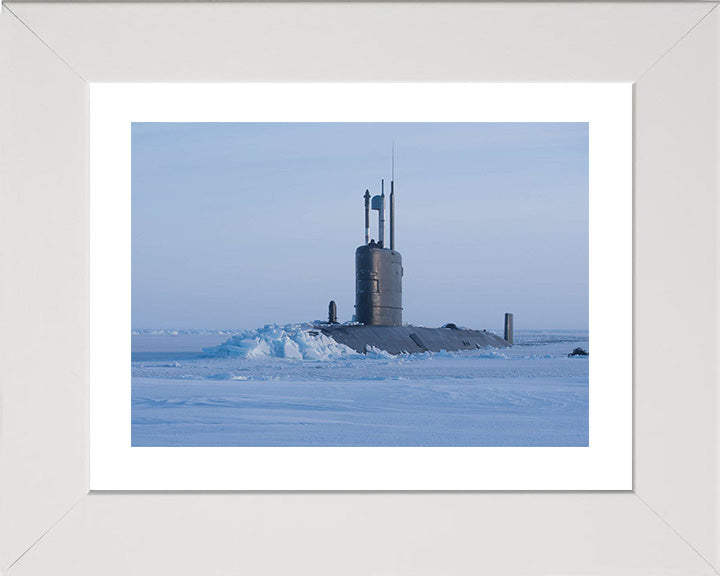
{"x":392,"y":201}
{"x":393,"y":162}
{"x":367,"y":216}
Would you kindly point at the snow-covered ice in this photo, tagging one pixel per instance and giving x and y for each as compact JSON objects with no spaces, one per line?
{"x":294,"y":341}
{"x":278,"y":386}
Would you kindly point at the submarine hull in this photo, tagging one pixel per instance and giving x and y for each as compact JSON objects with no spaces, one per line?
{"x":411,"y":339}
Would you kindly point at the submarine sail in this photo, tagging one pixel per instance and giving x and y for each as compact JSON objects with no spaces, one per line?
{"x":378,"y":273}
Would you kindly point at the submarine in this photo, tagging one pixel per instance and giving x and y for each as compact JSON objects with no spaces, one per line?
{"x":378,"y":320}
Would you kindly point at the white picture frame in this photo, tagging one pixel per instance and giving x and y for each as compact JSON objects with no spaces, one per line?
{"x":50,"y":523}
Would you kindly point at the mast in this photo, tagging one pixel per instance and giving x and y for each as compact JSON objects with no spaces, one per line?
{"x":381,"y":214}
{"x":392,"y":200}
{"x":392,"y":215}
{"x":367,"y":216}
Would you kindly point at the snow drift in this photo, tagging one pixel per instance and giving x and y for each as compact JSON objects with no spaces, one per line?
{"x":295,"y":341}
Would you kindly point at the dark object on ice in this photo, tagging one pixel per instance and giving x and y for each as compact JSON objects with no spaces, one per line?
{"x":332,"y":312}
{"x":378,"y":301}
{"x":411,"y":339}
{"x":578,"y":352}
{"x":509,"y":327}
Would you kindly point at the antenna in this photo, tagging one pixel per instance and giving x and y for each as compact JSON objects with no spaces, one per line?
{"x":392,"y":215}
{"x":381,"y":214}
{"x":392,"y":201}
{"x":367,"y":216}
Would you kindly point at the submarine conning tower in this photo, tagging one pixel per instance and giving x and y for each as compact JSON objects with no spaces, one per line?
{"x":378,"y":270}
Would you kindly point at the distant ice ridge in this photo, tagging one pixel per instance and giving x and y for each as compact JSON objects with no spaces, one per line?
{"x":183,"y":332}
{"x":295,"y":341}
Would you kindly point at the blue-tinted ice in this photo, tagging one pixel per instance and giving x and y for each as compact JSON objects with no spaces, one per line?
{"x":274,"y":389}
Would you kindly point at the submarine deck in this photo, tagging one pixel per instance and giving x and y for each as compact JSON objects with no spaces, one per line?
{"x":411,"y":339}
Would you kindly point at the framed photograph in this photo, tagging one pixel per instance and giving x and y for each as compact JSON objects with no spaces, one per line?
{"x":520,"y":307}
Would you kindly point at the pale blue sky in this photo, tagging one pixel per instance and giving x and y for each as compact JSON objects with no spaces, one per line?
{"x":235,"y":225}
